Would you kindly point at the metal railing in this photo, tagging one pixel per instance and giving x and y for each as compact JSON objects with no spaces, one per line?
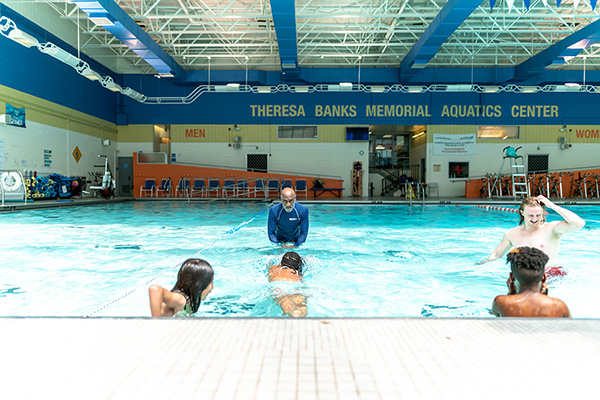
{"x":12,"y":186}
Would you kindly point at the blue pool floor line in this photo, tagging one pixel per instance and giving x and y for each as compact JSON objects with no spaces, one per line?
{"x":130,"y":291}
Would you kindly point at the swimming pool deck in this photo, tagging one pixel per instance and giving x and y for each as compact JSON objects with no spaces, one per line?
{"x":283,"y":358}
{"x":279,"y":359}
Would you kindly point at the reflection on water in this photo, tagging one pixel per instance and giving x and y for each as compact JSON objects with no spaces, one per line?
{"x":361,"y":261}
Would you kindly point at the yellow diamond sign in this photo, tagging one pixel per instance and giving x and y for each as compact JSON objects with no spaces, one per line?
{"x":77,"y":154}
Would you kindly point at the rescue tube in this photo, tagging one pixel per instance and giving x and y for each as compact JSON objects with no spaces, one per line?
{"x":11,"y":181}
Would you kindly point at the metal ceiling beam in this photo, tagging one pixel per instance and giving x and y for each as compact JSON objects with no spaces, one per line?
{"x":559,"y":53}
{"x":450,"y":17}
{"x":284,"y":20}
{"x":124,"y":28}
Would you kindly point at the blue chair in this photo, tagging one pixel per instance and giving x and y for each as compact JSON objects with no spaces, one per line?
{"x":198,"y":187}
{"x":259,"y":186}
{"x":214,"y":185}
{"x":286,"y":183}
{"x":228,"y":186}
{"x":242,"y":187}
{"x":183,"y":188}
{"x":301,"y":187}
{"x":149,"y":186}
{"x":273,"y":187}
{"x":165,"y":187}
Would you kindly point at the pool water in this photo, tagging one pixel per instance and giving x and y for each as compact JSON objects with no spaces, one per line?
{"x":361,"y":260}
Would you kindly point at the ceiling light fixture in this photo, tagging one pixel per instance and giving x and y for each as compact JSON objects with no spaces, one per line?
{"x":23,"y":38}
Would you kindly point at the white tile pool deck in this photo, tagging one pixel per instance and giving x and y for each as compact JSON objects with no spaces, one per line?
{"x":401,"y":358}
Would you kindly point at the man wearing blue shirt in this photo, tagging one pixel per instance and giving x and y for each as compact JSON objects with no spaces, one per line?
{"x":288,"y":221}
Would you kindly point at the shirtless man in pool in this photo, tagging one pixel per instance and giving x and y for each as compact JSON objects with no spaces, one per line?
{"x":534,"y":231}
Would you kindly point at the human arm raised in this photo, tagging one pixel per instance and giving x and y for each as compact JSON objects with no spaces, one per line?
{"x":572,"y":222}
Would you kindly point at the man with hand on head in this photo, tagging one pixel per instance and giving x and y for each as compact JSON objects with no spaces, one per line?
{"x":288,"y":221}
{"x":535,"y":231}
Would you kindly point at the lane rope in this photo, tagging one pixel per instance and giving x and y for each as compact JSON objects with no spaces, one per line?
{"x":130,"y":291}
{"x":506,"y":209}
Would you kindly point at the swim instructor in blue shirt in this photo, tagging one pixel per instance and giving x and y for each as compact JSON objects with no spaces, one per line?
{"x":288,"y":221}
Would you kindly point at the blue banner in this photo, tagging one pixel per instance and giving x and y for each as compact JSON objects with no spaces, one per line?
{"x":15,"y":116}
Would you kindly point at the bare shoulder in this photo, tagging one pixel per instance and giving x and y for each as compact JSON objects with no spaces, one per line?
{"x":559,"y":308}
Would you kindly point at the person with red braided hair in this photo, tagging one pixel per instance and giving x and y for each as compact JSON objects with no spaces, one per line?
{"x":527,"y":291}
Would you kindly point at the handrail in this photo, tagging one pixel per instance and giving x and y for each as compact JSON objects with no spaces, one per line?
{"x":20,"y":181}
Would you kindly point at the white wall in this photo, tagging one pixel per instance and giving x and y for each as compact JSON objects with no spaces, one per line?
{"x":330,"y":160}
{"x":24,"y":150}
{"x":489,"y":157}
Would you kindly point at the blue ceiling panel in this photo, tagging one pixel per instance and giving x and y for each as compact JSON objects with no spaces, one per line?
{"x":124,"y":28}
{"x":450,"y":17}
{"x":284,"y":20}
{"x":557,"y":54}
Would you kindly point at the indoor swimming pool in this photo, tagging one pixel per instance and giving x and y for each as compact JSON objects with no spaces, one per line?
{"x":361,"y":260}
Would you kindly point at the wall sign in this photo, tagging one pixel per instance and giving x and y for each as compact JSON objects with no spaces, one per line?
{"x":454,"y":144}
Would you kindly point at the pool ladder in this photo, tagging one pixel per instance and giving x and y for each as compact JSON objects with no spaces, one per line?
{"x":410,"y":192}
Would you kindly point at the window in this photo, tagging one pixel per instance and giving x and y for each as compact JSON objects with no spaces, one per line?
{"x":537,"y":163}
{"x":458,"y":170}
{"x":498,"y":132}
{"x":257,"y":162}
{"x":297,"y":132}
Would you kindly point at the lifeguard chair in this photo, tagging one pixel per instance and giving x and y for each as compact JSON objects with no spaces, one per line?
{"x":517,"y":173}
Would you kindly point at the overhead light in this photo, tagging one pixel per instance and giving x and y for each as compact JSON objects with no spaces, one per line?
{"x":333,"y":88}
{"x":90,"y":74}
{"x":22,"y":38}
{"x":414,"y":89}
{"x":61,"y":55}
{"x":233,"y":87}
{"x":459,"y":88}
{"x":377,"y":89}
{"x":166,"y":75}
{"x":490,"y":89}
{"x":264,"y":89}
{"x":345,"y":86}
{"x":379,"y":147}
{"x":567,"y":87}
{"x":133,"y":94}
{"x":387,"y":136}
{"x":528,"y":89}
{"x":101,"y":19}
{"x":418,"y":135}
{"x":301,"y":89}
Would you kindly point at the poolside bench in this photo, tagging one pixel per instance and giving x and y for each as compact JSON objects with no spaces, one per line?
{"x":319,"y":191}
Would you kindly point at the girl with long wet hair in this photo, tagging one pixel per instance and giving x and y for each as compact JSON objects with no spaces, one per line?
{"x":194,"y":283}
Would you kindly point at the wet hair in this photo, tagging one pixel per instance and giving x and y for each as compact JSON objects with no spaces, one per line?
{"x":193,"y":277}
{"x":527,"y":264}
{"x":292,"y":260}
{"x":531,"y":202}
